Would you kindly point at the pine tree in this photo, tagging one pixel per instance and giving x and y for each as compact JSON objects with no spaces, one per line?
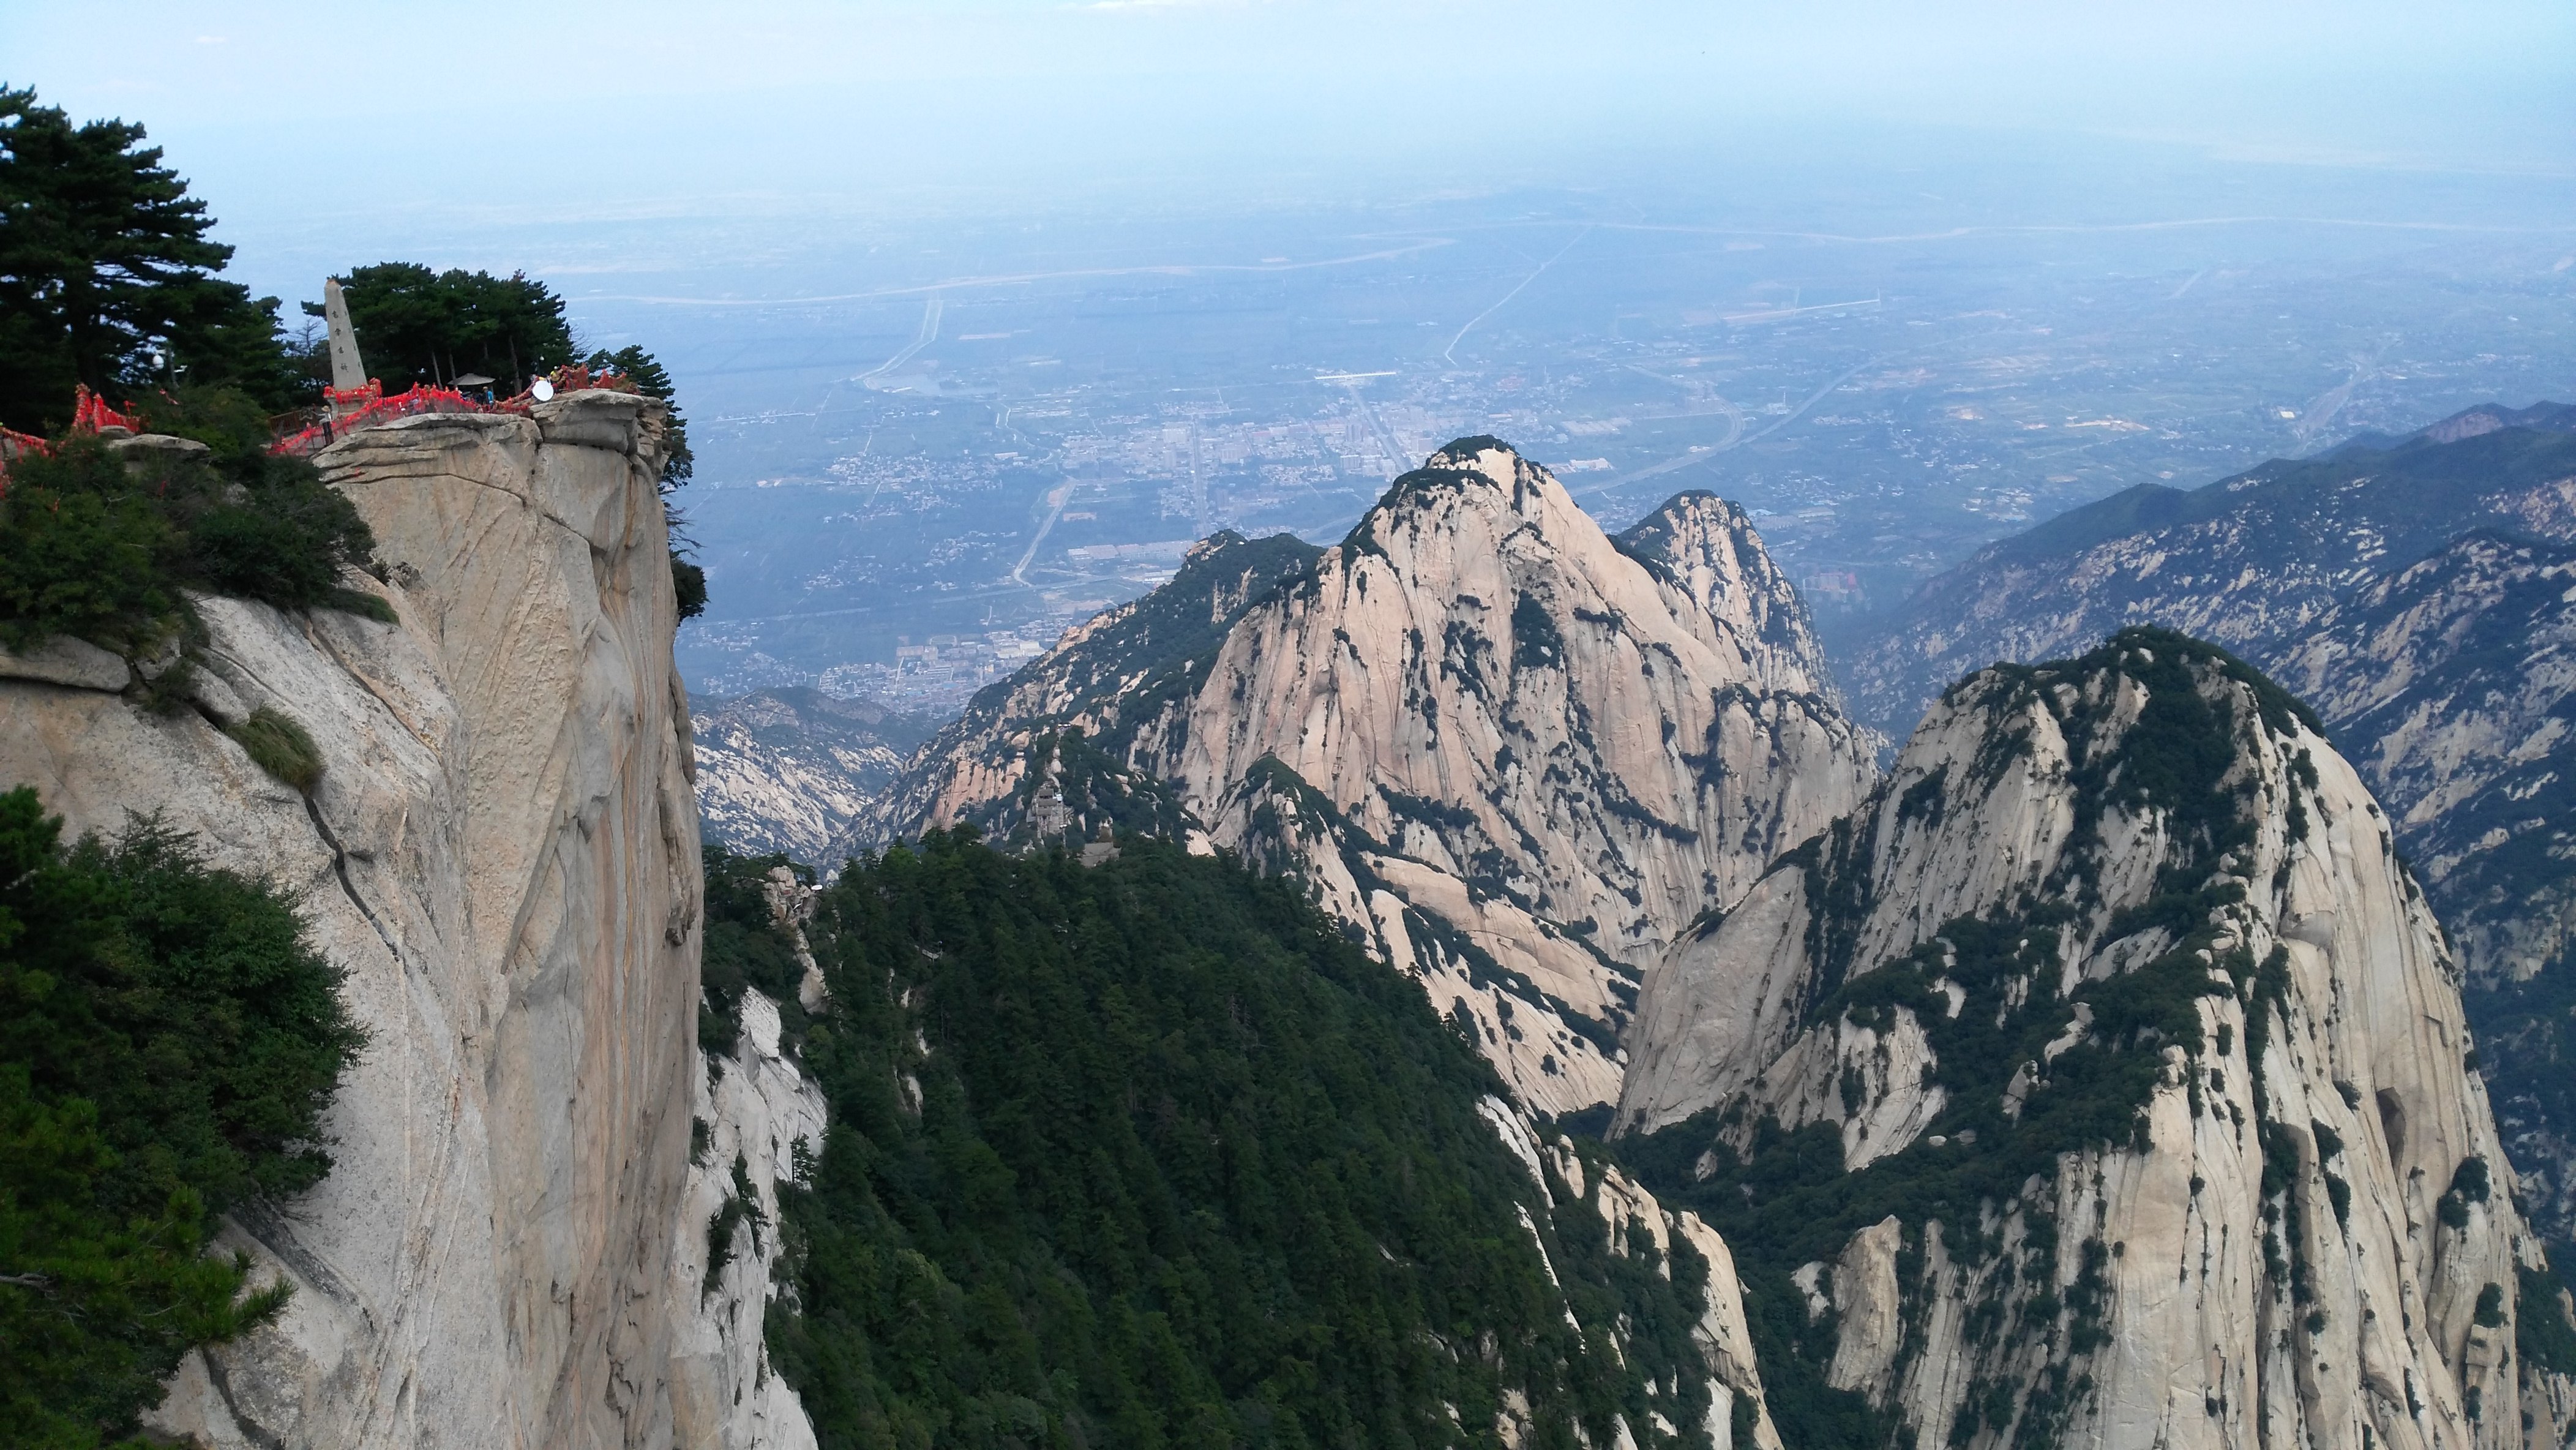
{"x":414,"y":325}
{"x":654,"y":381}
{"x":169,"y":1039}
{"x":104,"y":261}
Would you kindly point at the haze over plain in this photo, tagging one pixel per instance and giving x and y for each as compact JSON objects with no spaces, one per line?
{"x":1003,"y":302}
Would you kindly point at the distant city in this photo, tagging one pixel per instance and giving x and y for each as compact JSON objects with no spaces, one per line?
{"x":937,"y":449}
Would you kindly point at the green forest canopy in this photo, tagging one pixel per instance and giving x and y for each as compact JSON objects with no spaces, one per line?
{"x":168,"y":1040}
{"x":1180,"y":1165}
{"x":414,"y":325}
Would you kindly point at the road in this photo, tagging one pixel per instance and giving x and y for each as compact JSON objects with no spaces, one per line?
{"x":1385,"y":435}
{"x":1055,"y":506}
{"x":1445,"y":353}
{"x":928,"y":334}
{"x":2330,"y":402}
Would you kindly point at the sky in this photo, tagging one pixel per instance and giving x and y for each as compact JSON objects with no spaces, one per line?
{"x":356,"y":113}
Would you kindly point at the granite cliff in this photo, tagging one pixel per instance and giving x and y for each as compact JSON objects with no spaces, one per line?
{"x":501,"y":853}
{"x":1514,"y":754}
{"x":2452,"y":683}
{"x":2107,"y":1076}
{"x":2412,"y":589}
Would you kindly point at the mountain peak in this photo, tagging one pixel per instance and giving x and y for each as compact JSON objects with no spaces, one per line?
{"x":1481,"y":466}
{"x":2121,"y":948}
{"x":1474,"y":453}
{"x":1514,"y":755}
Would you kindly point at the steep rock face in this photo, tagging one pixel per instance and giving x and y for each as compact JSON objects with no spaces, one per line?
{"x":2412,"y":589}
{"x":1514,"y":754}
{"x":1095,"y":680}
{"x":2453,"y":682}
{"x":502,"y":853}
{"x":754,"y":1108}
{"x":794,"y":770}
{"x":2452,"y":679}
{"x":1485,"y":680}
{"x":2141,"y":1059}
{"x":1588,"y":1194}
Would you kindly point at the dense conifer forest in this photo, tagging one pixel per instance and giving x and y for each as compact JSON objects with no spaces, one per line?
{"x":1148,"y":1154}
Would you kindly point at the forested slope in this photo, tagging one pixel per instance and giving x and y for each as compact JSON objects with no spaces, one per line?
{"x":1149,"y":1154}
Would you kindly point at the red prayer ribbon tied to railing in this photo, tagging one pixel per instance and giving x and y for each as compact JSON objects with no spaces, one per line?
{"x":13,"y":443}
{"x":353,"y":398}
{"x":91,"y":414}
{"x":371,"y":406}
{"x":355,"y":408}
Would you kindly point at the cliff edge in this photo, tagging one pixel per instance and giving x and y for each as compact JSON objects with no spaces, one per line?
{"x":501,"y":852}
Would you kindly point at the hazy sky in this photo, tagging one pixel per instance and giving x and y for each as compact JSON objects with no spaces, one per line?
{"x":293,"y":116}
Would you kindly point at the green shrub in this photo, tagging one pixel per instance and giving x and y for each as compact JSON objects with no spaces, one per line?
{"x":2542,"y":1332}
{"x":745,"y":948}
{"x":279,"y":746}
{"x":168,"y":1041}
{"x":98,"y":548}
{"x":688,"y":585}
{"x":83,"y":551}
{"x":741,"y":1205}
{"x":286,"y":541}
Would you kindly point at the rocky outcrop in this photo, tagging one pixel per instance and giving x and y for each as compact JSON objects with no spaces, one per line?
{"x":2144,"y":1065}
{"x":501,"y":853}
{"x":1515,"y":754}
{"x":2453,"y":682}
{"x":794,"y":771}
{"x":755,"y":1109}
{"x":1609,"y":737}
{"x":1588,"y":1197}
{"x":1101,"y":679}
{"x":2411,"y":589}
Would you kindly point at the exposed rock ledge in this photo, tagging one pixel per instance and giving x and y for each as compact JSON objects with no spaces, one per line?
{"x":502,"y":855}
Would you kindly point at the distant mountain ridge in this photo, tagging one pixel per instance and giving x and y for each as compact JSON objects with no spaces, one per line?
{"x":794,"y":771}
{"x":2245,"y":562}
{"x":2412,"y":589}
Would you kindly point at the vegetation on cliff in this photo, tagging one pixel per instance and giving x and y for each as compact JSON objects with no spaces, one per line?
{"x":2412,"y":588}
{"x":1147,"y":1154}
{"x":168,"y":1041}
{"x":109,"y":279}
{"x":1787,"y":1198}
{"x":102,"y":544}
{"x":744,"y":948}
